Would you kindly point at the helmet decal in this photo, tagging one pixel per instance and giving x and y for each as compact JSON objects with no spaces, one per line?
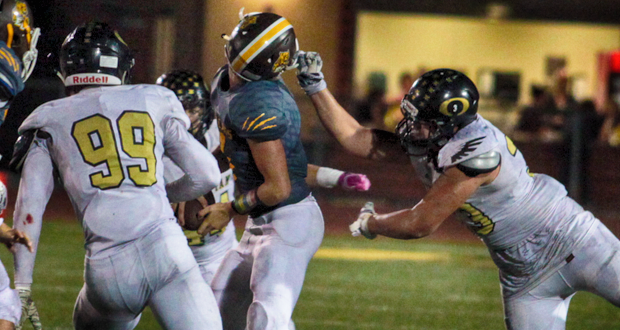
{"x":282,"y":63}
{"x":118,"y":36}
{"x":454,"y":106}
{"x":20,"y":17}
{"x":273,"y":32}
{"x":247,"y":21}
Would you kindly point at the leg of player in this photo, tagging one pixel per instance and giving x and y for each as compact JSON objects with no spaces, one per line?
{"x":543,"y":308}
{"x":290,"y":237}
{"x":231,"y":284}
{"x":594,"y":267}
{"x":10,"y":304}
{"x":173,"y":276}
{"x":85,"y":316}
{"x":194,"y":305}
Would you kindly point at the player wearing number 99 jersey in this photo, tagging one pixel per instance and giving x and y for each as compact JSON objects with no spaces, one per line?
{"x":106,"y":142}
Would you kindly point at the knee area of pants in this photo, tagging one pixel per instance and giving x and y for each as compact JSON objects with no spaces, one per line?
{"x":258,"y":319}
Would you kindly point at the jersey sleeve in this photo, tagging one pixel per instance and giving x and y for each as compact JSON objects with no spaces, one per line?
{"x":201,"y":172}
{"x":11,"y":81}
{"x":176,"y":108}
{"x":35,"y":188}
{"x":259,"y":114}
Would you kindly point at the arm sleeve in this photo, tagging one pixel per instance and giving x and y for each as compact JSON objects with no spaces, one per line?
{"x":200,"y":167}
{"x":35,"y":188}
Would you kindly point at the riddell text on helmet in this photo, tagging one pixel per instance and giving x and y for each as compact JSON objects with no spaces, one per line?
{"x":91,"y":79}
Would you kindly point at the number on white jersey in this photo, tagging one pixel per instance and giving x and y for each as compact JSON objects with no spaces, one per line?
{"x":96,"y":141}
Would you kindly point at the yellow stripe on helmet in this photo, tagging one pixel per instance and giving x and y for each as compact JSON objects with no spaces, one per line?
{"x":260,"y":42}
{"x":9,"y":28}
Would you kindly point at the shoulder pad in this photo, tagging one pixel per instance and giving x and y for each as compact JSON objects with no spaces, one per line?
{"x":259,"y":113}
{"x":480,"y":164}
{"x":22,"y":145}
{"x":474,"y":140}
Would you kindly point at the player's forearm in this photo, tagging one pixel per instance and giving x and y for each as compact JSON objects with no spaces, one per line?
{"x":35,"y":189}
{"x":354,"y":137}
{"x":200,"y":167}
{"x":404,"y":224}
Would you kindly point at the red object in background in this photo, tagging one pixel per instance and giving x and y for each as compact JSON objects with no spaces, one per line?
{"x":3,"y":178}
{"x":614,"y":61}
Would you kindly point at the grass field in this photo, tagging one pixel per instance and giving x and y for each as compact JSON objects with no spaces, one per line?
{"x":351,"y":284}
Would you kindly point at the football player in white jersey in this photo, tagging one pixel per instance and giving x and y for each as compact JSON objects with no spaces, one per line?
{"x":18,"y":56}
{"x":106,"y":142}
{"x":546,"y":246}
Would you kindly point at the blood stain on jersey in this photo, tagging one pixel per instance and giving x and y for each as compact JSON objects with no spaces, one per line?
{"x":468,"y":147}
{"x":29,"y":219}
{"x":282,"y":62}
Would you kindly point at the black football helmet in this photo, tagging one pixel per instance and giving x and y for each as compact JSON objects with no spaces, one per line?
{"x":193,"y":93}
{"x":262,"y":46}
{"x":18,"y":32}
{"x":95,"y":54}
{"x":441,"y":101}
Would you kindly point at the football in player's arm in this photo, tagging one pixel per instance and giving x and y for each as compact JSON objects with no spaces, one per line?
{"x":545,"y":244}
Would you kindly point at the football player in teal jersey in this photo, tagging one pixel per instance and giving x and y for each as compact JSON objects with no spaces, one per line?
{"x":260,"y":124}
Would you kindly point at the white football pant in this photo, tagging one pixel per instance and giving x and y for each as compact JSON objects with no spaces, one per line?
{"x":157,"y":270}
{"x":594,"y":268}
{"x":262,"y":278}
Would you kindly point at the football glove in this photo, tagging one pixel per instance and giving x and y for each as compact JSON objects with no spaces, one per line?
{"x":309,"y":72}
{"x":360,"y":226}
{"x":29,"y":310}
{"x":354,"y":181}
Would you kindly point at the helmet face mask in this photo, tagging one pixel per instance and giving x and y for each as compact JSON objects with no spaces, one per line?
{"x":438,"y":104}
{"x":261,"y":47}
{"x":18,"y":32}
{"x":94,"y":54}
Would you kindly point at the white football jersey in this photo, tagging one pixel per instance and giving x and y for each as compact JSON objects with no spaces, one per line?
{"x":521,"y":217}
{"x":107,"y":145}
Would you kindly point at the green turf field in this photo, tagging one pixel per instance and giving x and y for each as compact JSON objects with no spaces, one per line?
{"x":352,"y":283}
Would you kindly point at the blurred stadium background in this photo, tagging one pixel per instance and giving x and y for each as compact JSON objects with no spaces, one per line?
{"x":567,"y":49}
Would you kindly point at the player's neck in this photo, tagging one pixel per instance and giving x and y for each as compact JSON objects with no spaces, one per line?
{"x":234,"y":80}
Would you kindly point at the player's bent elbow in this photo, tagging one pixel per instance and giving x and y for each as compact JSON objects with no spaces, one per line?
{"x":419,"y":231}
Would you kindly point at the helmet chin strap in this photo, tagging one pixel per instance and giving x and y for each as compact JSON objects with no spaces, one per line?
{"x":29,"y":59}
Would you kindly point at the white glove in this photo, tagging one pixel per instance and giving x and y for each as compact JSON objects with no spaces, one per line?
{"x":309,"y":72}
{"x":29,"y":310}
{"x":360,"y":226}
